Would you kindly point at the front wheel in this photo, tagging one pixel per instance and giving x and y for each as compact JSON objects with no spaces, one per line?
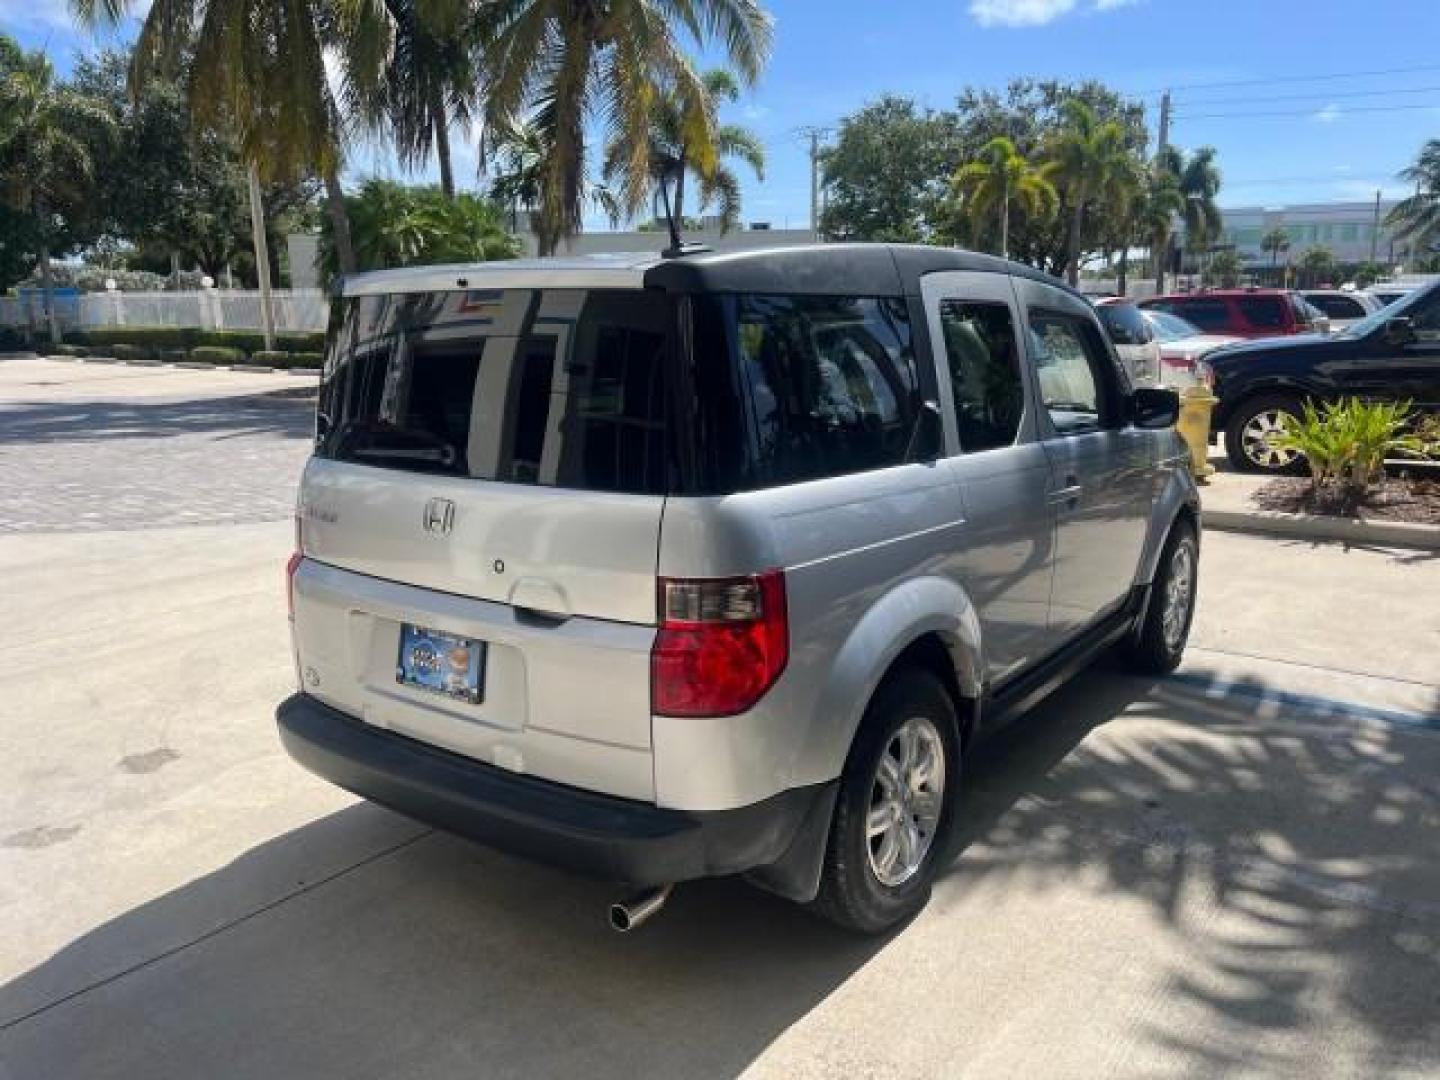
{"x":1250,"y":434}
{"x":895,"y":808}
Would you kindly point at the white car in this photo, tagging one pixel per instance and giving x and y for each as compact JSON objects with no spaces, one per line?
{"x":1133,"y":339}
{"x":1182,"y":346}
{"x":1343,"y":306}
{"x":1387,"y":294}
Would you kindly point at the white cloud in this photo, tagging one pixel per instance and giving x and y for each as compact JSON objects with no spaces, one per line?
{"x":37,"y":14}
{"x":1020,"y":13}
{"x":1328,"y":115}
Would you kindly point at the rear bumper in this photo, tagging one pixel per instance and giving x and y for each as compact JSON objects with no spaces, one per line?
{"x":599,"y":835}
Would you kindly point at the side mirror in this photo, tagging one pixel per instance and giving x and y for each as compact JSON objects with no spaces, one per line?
{"x":1399,"y":331}
{"x":1154,"y":409}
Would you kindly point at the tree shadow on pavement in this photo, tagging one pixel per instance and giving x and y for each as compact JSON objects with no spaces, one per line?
{"x":286,"y":413}
{"x":1283,"y":858}
{"x":1291,"y":854}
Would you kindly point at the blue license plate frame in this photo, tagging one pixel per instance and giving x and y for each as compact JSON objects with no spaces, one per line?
{"x":439,"y":662}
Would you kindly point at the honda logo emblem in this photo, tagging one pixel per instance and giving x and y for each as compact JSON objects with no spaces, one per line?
{"x":439,"y":516}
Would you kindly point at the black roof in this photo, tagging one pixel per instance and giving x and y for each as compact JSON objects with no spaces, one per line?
{"x":827,"y":269}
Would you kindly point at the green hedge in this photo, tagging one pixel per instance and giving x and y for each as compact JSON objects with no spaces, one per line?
{"x":12,"y":339}
{"x":288,"y":359}
{"x":131,"y":352}
{"x":217,"y":354}
{"x":66,"y":350}
{"x":191,"y":337}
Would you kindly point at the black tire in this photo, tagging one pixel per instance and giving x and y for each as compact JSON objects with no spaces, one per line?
{"x":851,"y":895}
{"x":1149,"y":650}
{"x":1248,"y":411}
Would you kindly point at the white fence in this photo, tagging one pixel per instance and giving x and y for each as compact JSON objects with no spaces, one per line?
{"x":211,"y":309}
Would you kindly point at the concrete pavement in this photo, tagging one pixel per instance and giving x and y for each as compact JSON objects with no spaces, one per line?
{"x":1228,"y":871}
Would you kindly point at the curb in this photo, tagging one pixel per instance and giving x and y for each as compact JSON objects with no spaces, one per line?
{"x":1322,"y":527}
{"x":188,"y":365}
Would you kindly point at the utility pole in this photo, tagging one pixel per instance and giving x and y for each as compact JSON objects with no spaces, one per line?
{"x":814,"y":133}
{"x":1162,"y":256}
{"x":262,"y":258}
{"x":1375,"y":230}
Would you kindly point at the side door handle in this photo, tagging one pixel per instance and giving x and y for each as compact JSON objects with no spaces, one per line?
{"x":1069,"y":495}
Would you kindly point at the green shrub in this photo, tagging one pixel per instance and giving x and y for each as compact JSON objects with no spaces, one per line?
{"x":1347,"y":441}
{"x":12,"y":339}
{"x":66,"y":350}
{"x":217,"y":354}
{"x":132,"y":352}
{"x":190,"y":337}
{"x":173,"y":356}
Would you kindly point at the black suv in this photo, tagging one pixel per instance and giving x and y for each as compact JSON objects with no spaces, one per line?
{"x":1393,"y":355}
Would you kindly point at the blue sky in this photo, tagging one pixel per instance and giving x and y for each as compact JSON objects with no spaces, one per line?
{"x":832,"y":57}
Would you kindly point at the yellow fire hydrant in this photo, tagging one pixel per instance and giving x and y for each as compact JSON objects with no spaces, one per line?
{"x":1196,"y":405}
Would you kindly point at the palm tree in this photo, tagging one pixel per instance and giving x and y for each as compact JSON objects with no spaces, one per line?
{"x":1000,"y":176}
{"x":427,"y":85}
{"x":1274,"y":243}
{"x":257,"y":68}
{"x":1161,"y":204}
{"x":1417,"y":218}
{"x":673,"y":156}
{"x":47,"y":164}
{"x":1317,"y":264}
{"x":561,"y":63}
{"x":1199,"y":181}
{"x":519,"y":180}
{"x":1087,"y":154}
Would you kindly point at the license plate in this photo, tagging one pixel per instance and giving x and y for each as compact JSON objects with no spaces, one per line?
{"x":441,"y":663}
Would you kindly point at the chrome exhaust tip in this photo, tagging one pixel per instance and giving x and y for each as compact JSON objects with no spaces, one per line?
{"x":631,"y":914}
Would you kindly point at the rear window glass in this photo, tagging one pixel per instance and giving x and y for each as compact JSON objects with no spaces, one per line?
{"x":1263,"y":312}
{"x":619,"y":390}
{"x":561,"y":388}
{"x":1124,"y":324}
{"x":1206,"y":314}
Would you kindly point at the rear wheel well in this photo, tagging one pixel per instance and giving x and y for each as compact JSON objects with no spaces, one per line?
{"x":929,"y":653}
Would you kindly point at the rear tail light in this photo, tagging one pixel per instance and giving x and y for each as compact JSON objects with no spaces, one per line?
{"x":722,"y":643}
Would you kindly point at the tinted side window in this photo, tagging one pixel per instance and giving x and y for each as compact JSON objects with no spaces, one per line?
{"x":1263,"y":312}
{"x":830,"y":383}
{"x":1068,"y":363}
{"x":1206,"y":314}
{"x":1338,"y":307}
{"x":984,"y":373}
{"x":1124,"y":324}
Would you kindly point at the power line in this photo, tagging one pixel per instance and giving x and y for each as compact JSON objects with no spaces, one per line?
{"x":1317,"y":94}
{"x":1272,"y":79}
{"x":1183,"y":115}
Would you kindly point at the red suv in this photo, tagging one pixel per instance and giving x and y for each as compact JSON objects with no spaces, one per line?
{"x":1247,"y":313}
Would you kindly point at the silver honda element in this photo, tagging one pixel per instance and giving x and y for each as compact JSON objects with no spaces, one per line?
{"x":666,"y":568}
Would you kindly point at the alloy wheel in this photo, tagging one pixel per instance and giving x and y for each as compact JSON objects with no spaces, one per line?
{"x":1179,"y":594}
{"x":1257,"y":440}
{"x":907,"y":796}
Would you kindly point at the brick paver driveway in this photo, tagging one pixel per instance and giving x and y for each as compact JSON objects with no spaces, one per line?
{"x":101,"y":446}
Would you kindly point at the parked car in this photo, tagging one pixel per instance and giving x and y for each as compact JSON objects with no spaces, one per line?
{"x":1392,"y":355}
{"x":1182,"y":346}
{"x":1245,"y":313}
{"x":664,"y":568}
{"x":1341,"y":306}
{"x":1133,"y":339}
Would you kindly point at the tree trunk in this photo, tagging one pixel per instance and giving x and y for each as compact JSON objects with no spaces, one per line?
{"x":48,"y":288}
{"x":1072,"y":245}
{"x":339,"y":222}
{"x":441,"y":120}
{"x":1005,"y":221}
{"x":679,"y":208}
{"x":1161,"y":255}
{"x":262,"y":257}
{"x":1122,"y":281}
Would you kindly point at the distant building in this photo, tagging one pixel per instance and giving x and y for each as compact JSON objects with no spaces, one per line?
{"x":1347,"y":229}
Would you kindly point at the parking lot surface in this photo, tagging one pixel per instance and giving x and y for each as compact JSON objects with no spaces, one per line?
{"x":1230,"y":871}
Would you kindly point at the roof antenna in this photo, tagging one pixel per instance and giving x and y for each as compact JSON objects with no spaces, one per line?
{"x":677,"y":247}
